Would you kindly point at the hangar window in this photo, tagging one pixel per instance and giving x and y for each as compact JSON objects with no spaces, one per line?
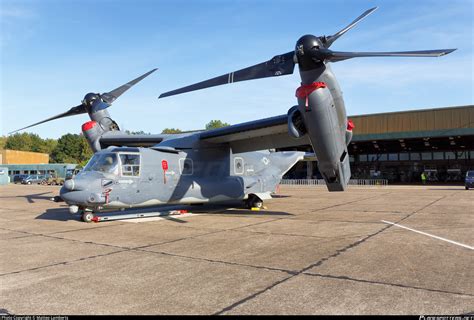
{"x":472,"y":155}
{"x":393,"y":156}
{"x":186,"y":166}
{"x":372,"y":157}
{"x":462,"y":155}
{"x":450,"y":156}
{"x":438,"y":155}
{"x":415,"y":156}
{"x":426,"y":156}
{"x":130,"y":164}
{"x":363,"y":158}
{"x":404,"y":156}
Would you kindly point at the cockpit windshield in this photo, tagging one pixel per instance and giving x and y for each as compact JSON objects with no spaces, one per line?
{"x":103,"y":162}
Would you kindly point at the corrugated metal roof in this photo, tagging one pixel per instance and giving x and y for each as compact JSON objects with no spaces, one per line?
{"x":434,"y":120}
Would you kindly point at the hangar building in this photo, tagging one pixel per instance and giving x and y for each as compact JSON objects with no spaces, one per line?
{"x":29,"y":163}
{"x":22,"y":157}
{"x":399,"y":146}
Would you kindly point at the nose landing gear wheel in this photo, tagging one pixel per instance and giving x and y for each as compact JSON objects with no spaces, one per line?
{"x":87,"y":216}
{"x":257,"y":203}
{"x":254,"y":202}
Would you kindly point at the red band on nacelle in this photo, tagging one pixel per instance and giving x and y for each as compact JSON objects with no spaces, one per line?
{"x":88,"y":125}
{"x":306,"y":89}
{"x":350,"y":125}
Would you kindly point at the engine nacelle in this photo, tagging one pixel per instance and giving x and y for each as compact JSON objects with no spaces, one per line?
{"x":94,"y":129}
{"x":296,"y":127}
{"x":92,"y":132}
{"x":326,"y":134}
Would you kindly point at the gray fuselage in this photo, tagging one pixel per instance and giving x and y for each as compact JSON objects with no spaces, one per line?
{"x":124,"y":177}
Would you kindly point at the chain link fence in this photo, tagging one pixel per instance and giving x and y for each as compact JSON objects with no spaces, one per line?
{"x":318,"y":182}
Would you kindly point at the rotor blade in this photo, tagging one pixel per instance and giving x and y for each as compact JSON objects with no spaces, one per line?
{"x":277,"y":66}
{"x":328,"y":41}
{"x":71,"y":112}
{"x":111,"y":96}
{"x":335,"y":56}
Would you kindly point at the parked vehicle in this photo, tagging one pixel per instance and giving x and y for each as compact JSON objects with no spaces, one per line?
{"x":53,"y":181}
{"x":18,"y":177}
{"x":469,"y":181}
{"x":34,"y":178}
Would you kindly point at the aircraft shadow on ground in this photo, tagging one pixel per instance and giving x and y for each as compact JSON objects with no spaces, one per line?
{"x":450,"y":189}
{"x":246,"y":212}
{"x":32,"y":197}
{"x":62,"y":213}
{"x":276,"y":196}
{"x":58,"y":214}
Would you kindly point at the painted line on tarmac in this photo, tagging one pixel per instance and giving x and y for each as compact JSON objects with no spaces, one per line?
{"x":429,"y":235}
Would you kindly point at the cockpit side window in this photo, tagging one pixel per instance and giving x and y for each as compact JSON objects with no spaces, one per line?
{"x":130,"y":164}
{"x":103,"y":162}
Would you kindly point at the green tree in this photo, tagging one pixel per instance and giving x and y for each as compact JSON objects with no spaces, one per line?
{"x":171,"y":130}
{"x":25,"y":142}
{"x":48,"y":146}
{"x":214,"y":124}
{"x":86,"y":152}
{"x":3,"y":140}
{"x":71,"y":148}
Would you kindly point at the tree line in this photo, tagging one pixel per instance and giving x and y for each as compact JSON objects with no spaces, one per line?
{"x":70,"y":148}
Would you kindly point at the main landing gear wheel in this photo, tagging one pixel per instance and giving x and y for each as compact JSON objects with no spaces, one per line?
{"x":87,"y":216}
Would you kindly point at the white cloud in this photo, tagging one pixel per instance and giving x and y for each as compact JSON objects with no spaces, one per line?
{"x":15,"y":13}
{"x":15,"y":23}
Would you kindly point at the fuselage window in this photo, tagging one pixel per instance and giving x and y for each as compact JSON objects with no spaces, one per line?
{"x":238,"y":165}
{"x":130,"y":164}
{"x":186,"y":166}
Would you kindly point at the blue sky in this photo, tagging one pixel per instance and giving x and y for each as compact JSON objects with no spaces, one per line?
{"x":54,"y":52}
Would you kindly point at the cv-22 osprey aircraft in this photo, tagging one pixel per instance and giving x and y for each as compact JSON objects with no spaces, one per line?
{"x":225,"y":164}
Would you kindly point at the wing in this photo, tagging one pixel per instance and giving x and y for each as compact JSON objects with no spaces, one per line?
{"x":117,"y":138}
{"x":268,"y":133}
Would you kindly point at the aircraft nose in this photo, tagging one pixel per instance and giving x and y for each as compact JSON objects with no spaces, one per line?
{"x":85,"y":190}
{"x":75,"y":184}
{"x":84,"y":198}
{"x":72,"y":197}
